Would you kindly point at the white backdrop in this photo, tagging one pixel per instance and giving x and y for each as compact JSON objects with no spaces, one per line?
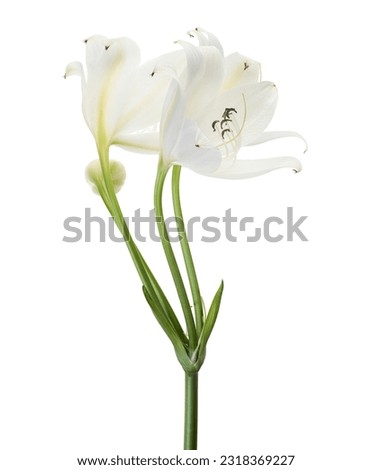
{"x":85,"y":369}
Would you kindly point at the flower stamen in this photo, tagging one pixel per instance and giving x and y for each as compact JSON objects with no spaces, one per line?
{"x":229,"y":124}
{"x":224,"y":121}
{"x":224,"y":132}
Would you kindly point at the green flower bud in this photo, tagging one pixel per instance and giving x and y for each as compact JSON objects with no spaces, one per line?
{"x":94,"y":176}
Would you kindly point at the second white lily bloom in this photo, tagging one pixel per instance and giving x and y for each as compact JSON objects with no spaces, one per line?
{"x":121,"y":99}
{"x":217,"y":106}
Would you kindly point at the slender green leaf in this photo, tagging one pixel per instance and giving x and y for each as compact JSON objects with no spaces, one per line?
{"x":169,"y":330}
{"x":166,"y":307}
{"x":208,"y":325}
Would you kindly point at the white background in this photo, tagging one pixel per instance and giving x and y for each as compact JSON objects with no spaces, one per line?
{"x":85,"y":369}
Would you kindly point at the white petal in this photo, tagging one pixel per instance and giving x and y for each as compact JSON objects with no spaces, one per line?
{"x":267,"y":136}
{"x":242,"y":169}
{"x":103,"y":53}
{"x":74,"y":68}
{"x":218,"y":124}
{"x":202,"y":77}
{"x":202,"y":40}
{"x":240,"y":71}
{"x":194,"y":69}
{"x":145,"y":95}
{"x":261,"y":100}
{"x":172,"y":120}
{"x":109,"y":64}
{"x":206,"y":38}
{"x":202,"y":160}
{"x":251,"y":109}
{"x":208,"y":84}
{"x":140,"y":142}
{"x":179,"y":136}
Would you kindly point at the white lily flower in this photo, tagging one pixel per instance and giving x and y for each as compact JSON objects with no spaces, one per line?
{"x":122,"y":100}
{"x":215,"y":108}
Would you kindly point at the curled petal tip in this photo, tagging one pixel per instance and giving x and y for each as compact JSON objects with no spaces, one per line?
{"x":86,"y":40}
{"x":297,"y":167}
{"x":304,"y":141}
{"x":74,"y":68}
{"x":299,"y":136}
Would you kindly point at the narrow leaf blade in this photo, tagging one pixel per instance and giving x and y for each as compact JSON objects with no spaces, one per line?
{"x":210,"y":320}
{"x":169,"y":330}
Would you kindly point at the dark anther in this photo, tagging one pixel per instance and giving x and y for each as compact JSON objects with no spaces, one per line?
{"x":197,"y":145}
{"x":224,"y":132}
{"x":227,"y":113}
{"x":106,"y":47}
{"x":152,"y":73}
{"x":246,"y":65}
{"x":86,"y":41}
{"x":214,"y":124}
{"x":191,"y":35}
{"x":224,"y":121}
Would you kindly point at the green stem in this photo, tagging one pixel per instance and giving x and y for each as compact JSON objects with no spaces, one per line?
{"x":173,"y":266}
{"x":148,"y":279}
{"x":187,"y":256}
{"x":191,"y":412}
